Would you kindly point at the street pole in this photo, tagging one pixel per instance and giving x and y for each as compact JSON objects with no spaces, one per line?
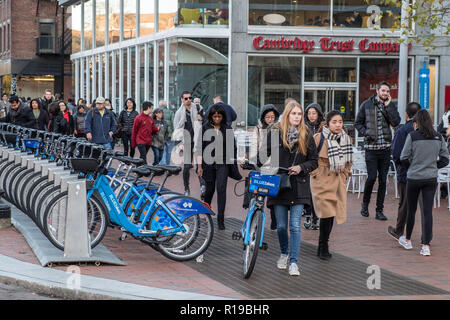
{"x":403,"y":61}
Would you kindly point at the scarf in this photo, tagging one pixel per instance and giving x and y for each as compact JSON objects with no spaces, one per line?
{"x":66,"y":116}
{"x":292,"y":137}
{"x":340,"y":149}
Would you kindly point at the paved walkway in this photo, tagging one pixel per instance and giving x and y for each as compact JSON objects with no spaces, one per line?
{"x":149,"y":275}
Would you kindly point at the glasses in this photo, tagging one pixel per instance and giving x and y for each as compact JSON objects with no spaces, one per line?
{"x":188,"y":98}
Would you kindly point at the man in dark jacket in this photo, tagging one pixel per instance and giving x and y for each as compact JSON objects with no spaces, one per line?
{"x":100,"y":124}
{"x":47,"y":99}
{"x":397,"y":147}
{"x":19,"y":115}
{"x":374,"y":120}
{"x":231,"y":114}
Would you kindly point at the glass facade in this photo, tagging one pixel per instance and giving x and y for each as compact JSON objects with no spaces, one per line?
{"x":129,"y":19}
{"x":88,"y":25}
{"x":100,"y":23}
{"x":76,"y":28}
{"x":322,"y":13}
{"x":114,"y":21}
{"x":147,"y":17}
{"x":330,"y":69}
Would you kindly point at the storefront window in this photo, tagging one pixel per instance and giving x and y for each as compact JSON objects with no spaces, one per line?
{"x":330,"y":69}
{"x":173,"y":60}
{"x":360,"y":14}
{"x":88,"y":23}
{"x":129,"y":19}
{"x":141,"y":75}
{"x":132,"y":89}
{"x":114,"y":21}
{"x":147,"y":23}
{"x":150,"y":71}
{"x":193,"y":13}
{"x":202,"y":68}
{"x":125,"y":76}
{"x":271,"y":80}
{"x":310,"y":13}
{"x":160,"y":70}
{"x":100,"y":23}
{"x":76,"y":28}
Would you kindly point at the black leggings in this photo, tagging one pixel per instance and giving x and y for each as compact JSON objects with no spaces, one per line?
{"x":428,"y":189}
{"x":325,"y":227}
{"x":127,"y":145}
{"x":217,"y":178}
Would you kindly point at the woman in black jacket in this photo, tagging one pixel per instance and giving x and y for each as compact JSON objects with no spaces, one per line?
{"x":40,"y":115}
{"x":212,"y":166}
{"x":295,"y":149}
{"x":63,"y":122}
{"x":126,"y":121}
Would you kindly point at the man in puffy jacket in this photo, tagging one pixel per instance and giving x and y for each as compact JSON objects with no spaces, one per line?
{"x":143,"y":128}
{"x":100,"y":124}
{"x":18,"y":114}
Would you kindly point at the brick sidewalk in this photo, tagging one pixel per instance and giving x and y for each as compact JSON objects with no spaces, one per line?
{"x":364,"y":239}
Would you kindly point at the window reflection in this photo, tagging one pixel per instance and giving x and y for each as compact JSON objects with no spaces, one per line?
{"x":161,"y":69}
{"x":147,"y":24}
{"x":100,"y":23}
{"x":129,"y":19}
{"x":76,"y":28}
{"x":114,"y":21}
{"x":88,"y":19}
{"x":330,"y":69}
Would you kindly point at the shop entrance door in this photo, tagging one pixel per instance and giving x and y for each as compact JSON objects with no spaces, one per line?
{"x":329,"y":98}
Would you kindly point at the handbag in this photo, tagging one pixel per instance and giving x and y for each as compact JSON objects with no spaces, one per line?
{"x":285,"y":179}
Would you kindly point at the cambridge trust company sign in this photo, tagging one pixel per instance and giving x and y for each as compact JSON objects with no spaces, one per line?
{"x":325,"y":44}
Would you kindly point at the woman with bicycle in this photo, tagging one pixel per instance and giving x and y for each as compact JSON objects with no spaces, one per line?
{"x":215,"y":169}
{"x":328,"y":181}
{"x":295,"y":150}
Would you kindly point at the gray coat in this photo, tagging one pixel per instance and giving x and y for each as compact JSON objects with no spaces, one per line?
{"x":162,"y":136}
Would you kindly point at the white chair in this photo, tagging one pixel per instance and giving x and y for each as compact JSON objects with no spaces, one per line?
{"x":393,"y":172}
{"x":359,"y":172}
{"x":443,"y":177}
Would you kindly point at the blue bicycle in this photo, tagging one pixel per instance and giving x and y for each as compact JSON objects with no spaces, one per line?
{"x":179,"y":227}
{"x":252,"y":231}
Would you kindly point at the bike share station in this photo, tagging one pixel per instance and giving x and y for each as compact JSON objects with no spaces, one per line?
{"x":77,"y":247}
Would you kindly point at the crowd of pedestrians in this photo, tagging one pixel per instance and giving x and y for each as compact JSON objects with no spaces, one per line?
{"x":315,"y":147}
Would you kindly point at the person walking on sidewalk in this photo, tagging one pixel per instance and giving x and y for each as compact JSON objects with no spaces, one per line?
{"x":424,"y":153}
{"x":328,"y":181}
{"x":269,"y":116}
{"x":187,"y":122}
{"x":100,"y":124}
{"x":313,"y":119}
{"x":168,"y":117}
{"x":160,"y":137}
{"x":18,"y":114}
{"x":63,"y":122}
{"x":41,"y":116}
{"x":397,"y":146}
{"x":143,"y":129}
{"x":296,"y":151}
{"x":231,"y":114}
{"x":79,"y":118}
{"x":126,"y":121}
{"x":375,"y":117}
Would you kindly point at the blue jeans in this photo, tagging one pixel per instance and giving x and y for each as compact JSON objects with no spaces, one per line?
{"x":289,"y":244}
{"x":157,"y":155}
{"x":167,"y":152}
{"x":108,"y":145}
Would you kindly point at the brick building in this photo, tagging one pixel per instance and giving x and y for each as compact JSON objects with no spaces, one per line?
{"x":35,"y":46}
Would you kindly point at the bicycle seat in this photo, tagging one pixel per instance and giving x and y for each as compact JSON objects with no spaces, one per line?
{"x":142,"y":171}
{"x":129,"y":160}
{"x":156,"y":170}
{"x":173,"y":170}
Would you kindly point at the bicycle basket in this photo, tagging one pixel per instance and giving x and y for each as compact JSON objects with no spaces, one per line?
{"x":264,"y":184}
{"x":32,"y":143}
{"x":84,"y":165}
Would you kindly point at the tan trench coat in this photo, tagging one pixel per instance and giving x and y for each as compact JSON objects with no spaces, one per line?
{"x":329,"y":188}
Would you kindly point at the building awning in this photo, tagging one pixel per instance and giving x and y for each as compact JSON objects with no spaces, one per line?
{"x":37,"y":67}
{"x":68,"y":2}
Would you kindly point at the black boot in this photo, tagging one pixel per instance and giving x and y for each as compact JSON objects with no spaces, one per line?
{"x":325,"y":253}
{"x":364,"y":209}
{"x":380,"y":216}
{"x":273,"y":222}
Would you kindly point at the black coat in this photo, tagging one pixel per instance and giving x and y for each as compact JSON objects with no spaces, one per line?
{"x":60,"y":124}
{"x":300,"y":192}
{"x":41,"y":123}
{"x":23,"y":116}
{"x":126,"y":121}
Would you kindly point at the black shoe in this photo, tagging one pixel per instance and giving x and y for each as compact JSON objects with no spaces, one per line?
{"x":187,"y":192}
{"x":221,"y":225}
{"x":364,"y":209}
{"x":322,"y":251}
{"x":392,"y":233}
{"x":314,"y":225}
{"x":380,"y":216}
{"x":273,"y":225}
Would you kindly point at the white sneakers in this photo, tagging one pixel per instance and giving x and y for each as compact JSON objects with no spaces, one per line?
{"x":405,"y":244}
{"x":425,"y":251}
{"x":293,"y":270}
{"x":282,"y":263}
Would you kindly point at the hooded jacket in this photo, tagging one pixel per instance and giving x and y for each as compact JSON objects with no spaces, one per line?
{"x":22,"y":116}
{"x":314,"y":126}
{"x":261,"y":128}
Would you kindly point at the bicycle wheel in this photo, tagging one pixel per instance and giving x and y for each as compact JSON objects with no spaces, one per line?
{"x":251,"y":250}
{"x":9,"y":173}
{"x":43,"y":202}
{"x":17,"y":191}
{"x":40,"y":191}
{"x":12,"y":186}
{"x":55,"y":220}
{"x":29,"y":196}
{"x":188,"y":245}
{"x":24,"y":189}
{"x":5,"y":170}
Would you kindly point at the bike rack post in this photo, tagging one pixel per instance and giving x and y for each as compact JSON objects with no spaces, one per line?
{"x":76,"y":242}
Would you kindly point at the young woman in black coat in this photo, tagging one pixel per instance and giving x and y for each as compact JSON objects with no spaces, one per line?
{"x":126,"y":121}
{"x":293,"y":148}
{"x":40,"y":115}
{"x":212,"y":166}
{"x":63,"y":122}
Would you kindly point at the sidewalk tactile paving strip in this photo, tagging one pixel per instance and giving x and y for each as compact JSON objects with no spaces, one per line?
{"x":340,"y":277}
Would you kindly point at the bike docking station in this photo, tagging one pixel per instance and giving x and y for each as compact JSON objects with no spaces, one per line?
{"x":73,"y":223}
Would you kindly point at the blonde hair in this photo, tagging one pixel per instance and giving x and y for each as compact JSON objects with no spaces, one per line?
{"x":303,"y":131}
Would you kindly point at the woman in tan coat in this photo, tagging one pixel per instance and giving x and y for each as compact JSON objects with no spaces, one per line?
{"x":328,"y":181}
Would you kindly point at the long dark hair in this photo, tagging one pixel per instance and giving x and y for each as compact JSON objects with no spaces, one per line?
{"x":38,"y":103}
{"x":217,"y":108}
{"x":132,"y":100}
{"x":424,"y":123}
